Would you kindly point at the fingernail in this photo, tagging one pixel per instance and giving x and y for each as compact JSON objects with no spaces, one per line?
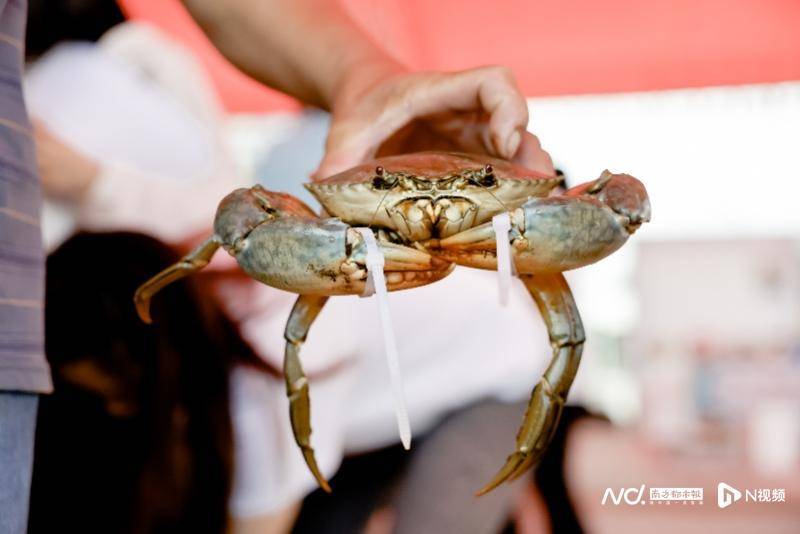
{"x":513,"y":144}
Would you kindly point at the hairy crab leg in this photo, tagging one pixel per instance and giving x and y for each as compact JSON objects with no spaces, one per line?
{"x":557,"y":307}
{"x":189,"y":264}
{"x":303,"y":314}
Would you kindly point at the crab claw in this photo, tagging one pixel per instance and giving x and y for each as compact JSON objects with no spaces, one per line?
{"x":623,"y":193}
{"x":558,"y":233}
{"x":477,"y":238}
{"x":404,"y":267}
{"x":328,"y":257}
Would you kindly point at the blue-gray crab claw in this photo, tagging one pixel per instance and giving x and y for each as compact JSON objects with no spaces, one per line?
{"x":328,"y":257}
{"x":558,"y":233}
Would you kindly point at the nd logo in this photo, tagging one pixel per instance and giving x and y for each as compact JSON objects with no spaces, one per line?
{"x":631,"y":496}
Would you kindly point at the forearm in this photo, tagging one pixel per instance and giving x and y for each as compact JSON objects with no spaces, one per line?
{"x":309,"y":49}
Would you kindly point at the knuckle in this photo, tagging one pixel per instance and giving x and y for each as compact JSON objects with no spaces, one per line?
{"x":503,"y":73}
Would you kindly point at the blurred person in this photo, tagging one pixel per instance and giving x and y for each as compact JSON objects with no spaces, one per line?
{"x":157,"y":164}
{"x":137,"y":436}
{"x":129,"y":167}
{"x":392,"y":491}
{"x":127,"y":127}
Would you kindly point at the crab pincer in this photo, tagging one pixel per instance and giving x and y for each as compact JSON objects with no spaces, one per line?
{"x":558,"y":233}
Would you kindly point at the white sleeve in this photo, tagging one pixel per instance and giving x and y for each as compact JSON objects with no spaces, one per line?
{"x":124,"y":198}
{"x":164,"y":165}
{"x":269,"y":471}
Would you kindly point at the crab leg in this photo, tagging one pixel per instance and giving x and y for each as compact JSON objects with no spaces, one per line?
{"x":189,"y":264}
{"x":557,"y":307}
{"x":303,"y":314}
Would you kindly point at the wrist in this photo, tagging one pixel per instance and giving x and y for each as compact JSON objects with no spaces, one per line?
{"x":359,"y":77}
{"x":85,"y":175}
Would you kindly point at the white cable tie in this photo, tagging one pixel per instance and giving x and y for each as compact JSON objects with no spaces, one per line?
{"x":502,"y":227}
{"x":376,"y":284}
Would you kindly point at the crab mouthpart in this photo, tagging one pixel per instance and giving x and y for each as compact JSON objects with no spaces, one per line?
{"x":422,"y":218}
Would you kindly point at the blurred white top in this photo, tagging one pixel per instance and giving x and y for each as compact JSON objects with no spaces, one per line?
{"x":142,"y":108}
{"x":138,"y":104}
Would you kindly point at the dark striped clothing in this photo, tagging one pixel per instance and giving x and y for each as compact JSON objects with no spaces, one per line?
{"x":22,"y":363}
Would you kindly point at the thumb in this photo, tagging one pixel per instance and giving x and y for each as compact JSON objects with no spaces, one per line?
{"x":530,"y":154}
{"x":347,"y":145}
{"x":333,"y":163}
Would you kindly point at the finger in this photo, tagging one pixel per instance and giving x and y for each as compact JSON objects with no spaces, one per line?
{"x":347,"y":145}
{"x":489,"y":89}
{"x":531,"y":155}
{"x":508,"y":111}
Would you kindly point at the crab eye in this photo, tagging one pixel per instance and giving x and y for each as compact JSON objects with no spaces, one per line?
{"x":381,"y":181}
{"x":262,"y":199}
{"x":486,"y":177}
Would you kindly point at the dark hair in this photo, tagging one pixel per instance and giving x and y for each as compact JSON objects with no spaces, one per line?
{"x":137,"y":435}
{"x":53,"y":21}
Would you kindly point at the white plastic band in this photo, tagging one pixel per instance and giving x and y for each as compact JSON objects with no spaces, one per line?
{"x":376,"y":284}
{"x":502,"y":226}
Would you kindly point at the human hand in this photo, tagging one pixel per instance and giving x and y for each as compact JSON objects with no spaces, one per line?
{"x":66,"y":173}
{"x":479,"y":110}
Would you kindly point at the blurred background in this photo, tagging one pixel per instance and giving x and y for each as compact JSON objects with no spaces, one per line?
{"x":693,"y":327}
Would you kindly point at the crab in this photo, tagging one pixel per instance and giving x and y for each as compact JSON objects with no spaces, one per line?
{"x":429,"y":211}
